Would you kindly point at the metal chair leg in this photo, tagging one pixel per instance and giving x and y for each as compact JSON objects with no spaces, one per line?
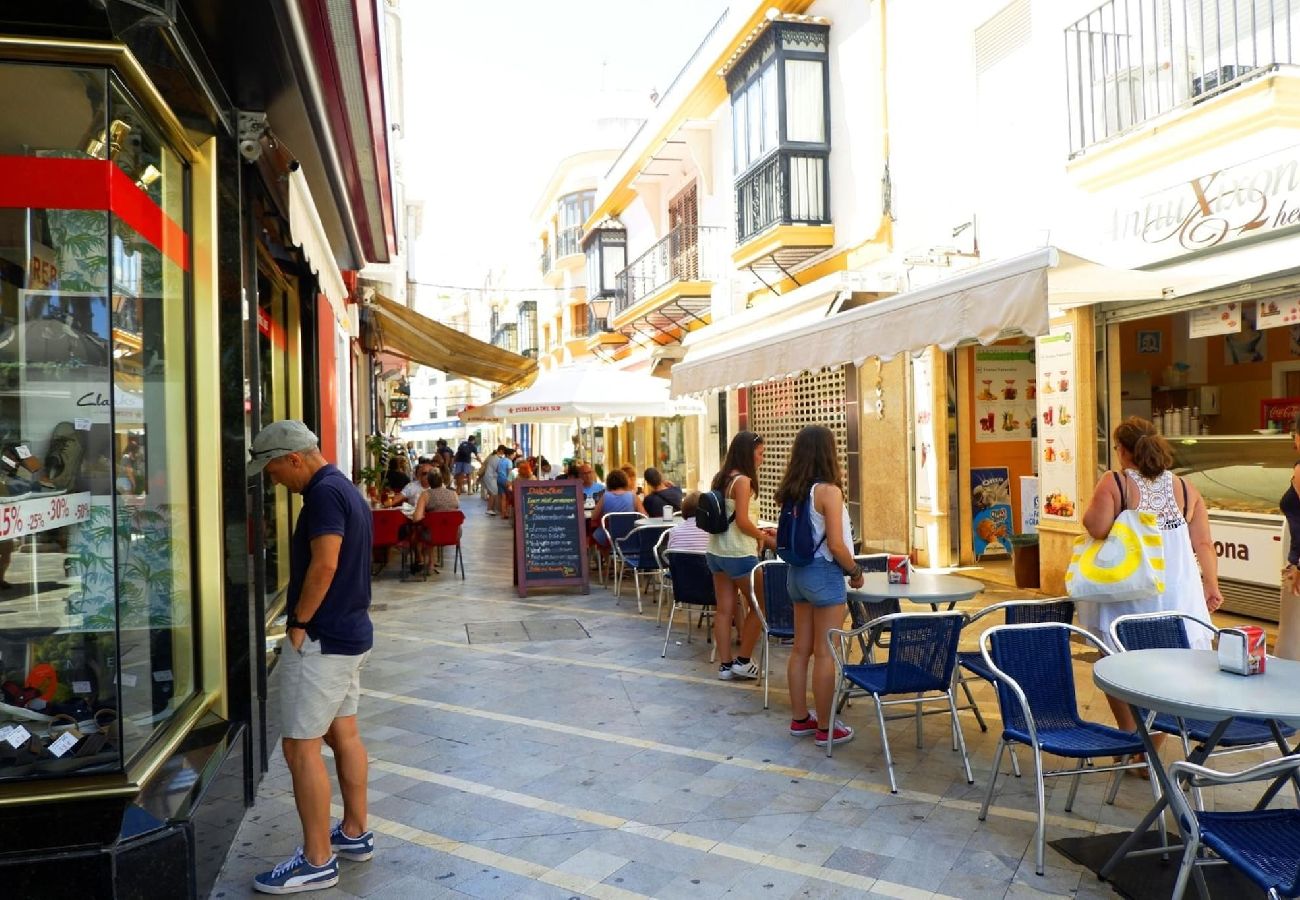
{"x":993,"y":779}
{"x":1015,"y":761}
{"x":1185,"y":870}
{"x":1040,"y":834}
{"x":767,"y":666}
{"x":1074,"y":786}
{"x":835,"y":705}
{"x":970,"y":698}
{"x":1115,"y":780}
{"x":961,"y":736}
{"x":668,"y":633}
{"x":884,"y":740}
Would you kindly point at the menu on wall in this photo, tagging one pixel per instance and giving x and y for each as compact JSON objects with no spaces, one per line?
{"x":1277,"y":312}
{"x":550,"y":535}
{"x":927,"y":471}
{"x":1222,"y":318}
{"x":1005,"y":388}
{"x":1057,"y":435}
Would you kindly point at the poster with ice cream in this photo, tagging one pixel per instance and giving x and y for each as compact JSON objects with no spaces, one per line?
{"x":1057,"y":434}
{"x":1004,"y":393}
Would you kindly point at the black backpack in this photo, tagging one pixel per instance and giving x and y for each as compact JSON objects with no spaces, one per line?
{"x":711,"y":514}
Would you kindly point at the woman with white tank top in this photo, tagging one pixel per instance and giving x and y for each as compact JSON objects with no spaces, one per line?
{"x":817,"y":589}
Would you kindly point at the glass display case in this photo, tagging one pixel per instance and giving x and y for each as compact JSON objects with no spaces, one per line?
{"x":96,"y":593}
{"x":1242,"y":478}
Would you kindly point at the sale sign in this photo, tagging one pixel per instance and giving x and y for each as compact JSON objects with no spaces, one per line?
{"x":37,"y":514}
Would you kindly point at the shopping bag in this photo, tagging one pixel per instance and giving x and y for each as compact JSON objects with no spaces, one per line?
{"x":1128,"y":565}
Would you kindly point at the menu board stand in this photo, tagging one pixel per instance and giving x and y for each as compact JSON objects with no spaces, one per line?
{"x":550,"y":535}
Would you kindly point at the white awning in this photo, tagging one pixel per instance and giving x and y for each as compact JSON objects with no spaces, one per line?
{"x":307,"y":231}
{"x":982,"y":303}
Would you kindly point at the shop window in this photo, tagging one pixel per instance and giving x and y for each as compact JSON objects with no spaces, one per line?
{"x":274,"y":296}
{"x":96,"y":641}
{"x":670,"y":449}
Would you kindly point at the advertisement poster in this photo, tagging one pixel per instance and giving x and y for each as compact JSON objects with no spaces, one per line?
{"x":1057,"y":436}
{"x":1005,"y":390}
{"x":990,"y":505}
{"x":927,"y":473}
{"x":1277,"y":312}
{"x":1029,"y":504}
{"x":1222,"y":318}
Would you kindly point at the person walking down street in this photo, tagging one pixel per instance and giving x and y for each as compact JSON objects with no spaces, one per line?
{"x":462,"y":466}
{"x":1147,"y":485}
{"x":327,"y":644}
{"x":487,"y":477}
{"x":817,"y":590}
{"x":660,"y":493}
{"x":734,"y":553}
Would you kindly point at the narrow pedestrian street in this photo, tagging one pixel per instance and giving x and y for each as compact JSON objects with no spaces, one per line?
{"x":541,"y":747}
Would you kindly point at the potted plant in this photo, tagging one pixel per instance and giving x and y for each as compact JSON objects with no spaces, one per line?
{"x":373,"y":475}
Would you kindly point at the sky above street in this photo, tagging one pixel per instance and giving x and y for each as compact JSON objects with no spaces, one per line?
{"x":498,"y":92}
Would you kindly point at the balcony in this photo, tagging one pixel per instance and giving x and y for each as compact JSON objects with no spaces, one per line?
{"x":546,"y":261}
{"x":1129,"y":62}
{"x":667,"y":290}
{"x":568,"y":242}
{"x":783,"y":210}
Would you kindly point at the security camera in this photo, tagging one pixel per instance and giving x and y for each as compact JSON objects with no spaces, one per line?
{"x":250,"y":149}
{"x":252,"y":125}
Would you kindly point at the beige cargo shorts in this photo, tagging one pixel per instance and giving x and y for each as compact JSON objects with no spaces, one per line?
{"x":316,"y":688}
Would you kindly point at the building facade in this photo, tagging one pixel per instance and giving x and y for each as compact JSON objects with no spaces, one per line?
{"x":172,"y":277}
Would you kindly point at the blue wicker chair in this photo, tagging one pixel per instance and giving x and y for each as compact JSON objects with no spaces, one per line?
{"x":775,"y":611}
{"x":636,"y":553}
{"x":1033,"y":672}
{"x":617,"y":526}
{"x":922,"y":656}
{"x":1014,"y":612}
{"x":1264,"y":844}
{"x":692,"y":585}
{"x":1146,"y":631}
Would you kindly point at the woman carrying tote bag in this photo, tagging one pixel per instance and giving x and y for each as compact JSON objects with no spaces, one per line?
{"x":1148,"y":486}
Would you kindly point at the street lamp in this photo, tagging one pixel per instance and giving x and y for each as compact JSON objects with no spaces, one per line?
{"x":606,"y":249}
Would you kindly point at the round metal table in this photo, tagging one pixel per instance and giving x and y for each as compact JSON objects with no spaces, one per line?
{"x":1189,"y":684}
{"x":923,"y":587}
{"x":650,"y":520}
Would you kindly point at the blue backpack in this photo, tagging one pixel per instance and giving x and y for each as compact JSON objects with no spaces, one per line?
{"x":794,"y":533}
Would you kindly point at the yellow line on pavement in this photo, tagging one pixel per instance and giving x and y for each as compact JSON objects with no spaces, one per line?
{"x":658,"y":833}
{"x":564,"y":660}
{"x":1078,"y":824}
{"x":536,"y":871}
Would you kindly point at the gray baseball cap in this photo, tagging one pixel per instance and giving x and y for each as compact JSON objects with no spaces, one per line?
{"x":277,"y":439}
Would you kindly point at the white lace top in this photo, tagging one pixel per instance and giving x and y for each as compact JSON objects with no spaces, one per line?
{"x":1159,"y":495}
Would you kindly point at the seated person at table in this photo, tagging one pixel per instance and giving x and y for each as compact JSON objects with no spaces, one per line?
{"x":573,"y":471}
{"x":660,"y":493}
{"x":434,"y":497}
{"x":521,"y":472}
{"x":397,"y":477}
{"x":411,"y":493}
{"x":616,"y":499}
{"x":630,"y":471}
{"x":686,"y":535}
{"x":590,"y":486}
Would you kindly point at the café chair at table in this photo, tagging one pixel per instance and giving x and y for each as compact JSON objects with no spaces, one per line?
{"x":636,"y":554}
{"x":775,"y":611}
{"x":617,"y":525}
{"x":863,"y":613}
{"x":1014,"y":612}
{"x":692,"y":586}
{"x":1168,"y":630}
{"x":436,"y":531}
{"x":386,"y":525}
{"x":1263,"y":844}
{"x":1033,"y":672}
{"x":921,"y":660}
{"x":665,"y":577}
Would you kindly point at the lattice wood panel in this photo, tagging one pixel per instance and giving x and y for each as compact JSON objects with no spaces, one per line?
{"x":778,"y":409}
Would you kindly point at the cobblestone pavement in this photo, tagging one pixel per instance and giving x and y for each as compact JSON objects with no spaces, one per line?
{"x":569,"y":767}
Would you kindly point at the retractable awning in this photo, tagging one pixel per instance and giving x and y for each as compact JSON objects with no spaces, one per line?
{"x":984,"y":303}
{"x":406,"y":333}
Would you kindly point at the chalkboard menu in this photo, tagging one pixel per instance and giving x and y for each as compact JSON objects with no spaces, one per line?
{"x":550,"y":535}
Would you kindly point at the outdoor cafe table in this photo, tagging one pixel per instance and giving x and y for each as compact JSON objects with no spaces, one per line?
{"x":648,"y":521}
{"x":923,"y":587}
{"x":386,"y":522}
{"x":1189,"y":684}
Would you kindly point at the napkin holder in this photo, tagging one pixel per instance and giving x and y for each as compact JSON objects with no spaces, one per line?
{"x":898,"y":568}
{"x":1242,"y":651}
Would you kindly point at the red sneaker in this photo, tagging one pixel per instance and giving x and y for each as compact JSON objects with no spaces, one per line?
{"x":807,"y":726}
{"x":843,"y":734}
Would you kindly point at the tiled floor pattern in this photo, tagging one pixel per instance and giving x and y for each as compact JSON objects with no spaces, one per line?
{"x":592,"y":767}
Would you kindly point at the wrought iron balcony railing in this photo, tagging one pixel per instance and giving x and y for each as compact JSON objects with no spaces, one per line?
{"x":1129,"y":61}
{"x":688,"y":253}
{"x":595,"y":326}
{"x":546,"y":260}
{"x":788,"y":187}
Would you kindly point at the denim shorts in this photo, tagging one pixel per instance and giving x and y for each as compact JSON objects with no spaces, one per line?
{"x":820,"y":583}
{"x":731,"y":566}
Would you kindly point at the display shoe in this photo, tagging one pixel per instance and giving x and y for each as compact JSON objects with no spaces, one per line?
{"x":63,"y":459}
{"x":17,"y":459}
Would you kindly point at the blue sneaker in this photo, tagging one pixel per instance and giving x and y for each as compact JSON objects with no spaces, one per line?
{"x":357,"y":849}
{"x":296,"y":875}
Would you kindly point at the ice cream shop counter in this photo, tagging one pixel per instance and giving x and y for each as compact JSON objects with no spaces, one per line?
{"x":1242,"y":478}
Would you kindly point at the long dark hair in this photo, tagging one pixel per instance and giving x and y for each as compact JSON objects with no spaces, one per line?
{"x":740,"y":458}
{"x":813,"y":458}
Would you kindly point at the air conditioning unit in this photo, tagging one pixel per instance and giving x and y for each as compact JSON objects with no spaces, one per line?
{"x":1212,"y":81}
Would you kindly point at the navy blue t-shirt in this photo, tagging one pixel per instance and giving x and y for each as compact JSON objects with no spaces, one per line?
{"x":331,"y":504}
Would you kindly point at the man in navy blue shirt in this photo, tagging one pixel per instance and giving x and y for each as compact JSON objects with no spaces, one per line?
{"x":328,"y":640}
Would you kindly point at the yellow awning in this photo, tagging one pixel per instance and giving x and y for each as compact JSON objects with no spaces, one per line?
{"x":406,"y":333}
